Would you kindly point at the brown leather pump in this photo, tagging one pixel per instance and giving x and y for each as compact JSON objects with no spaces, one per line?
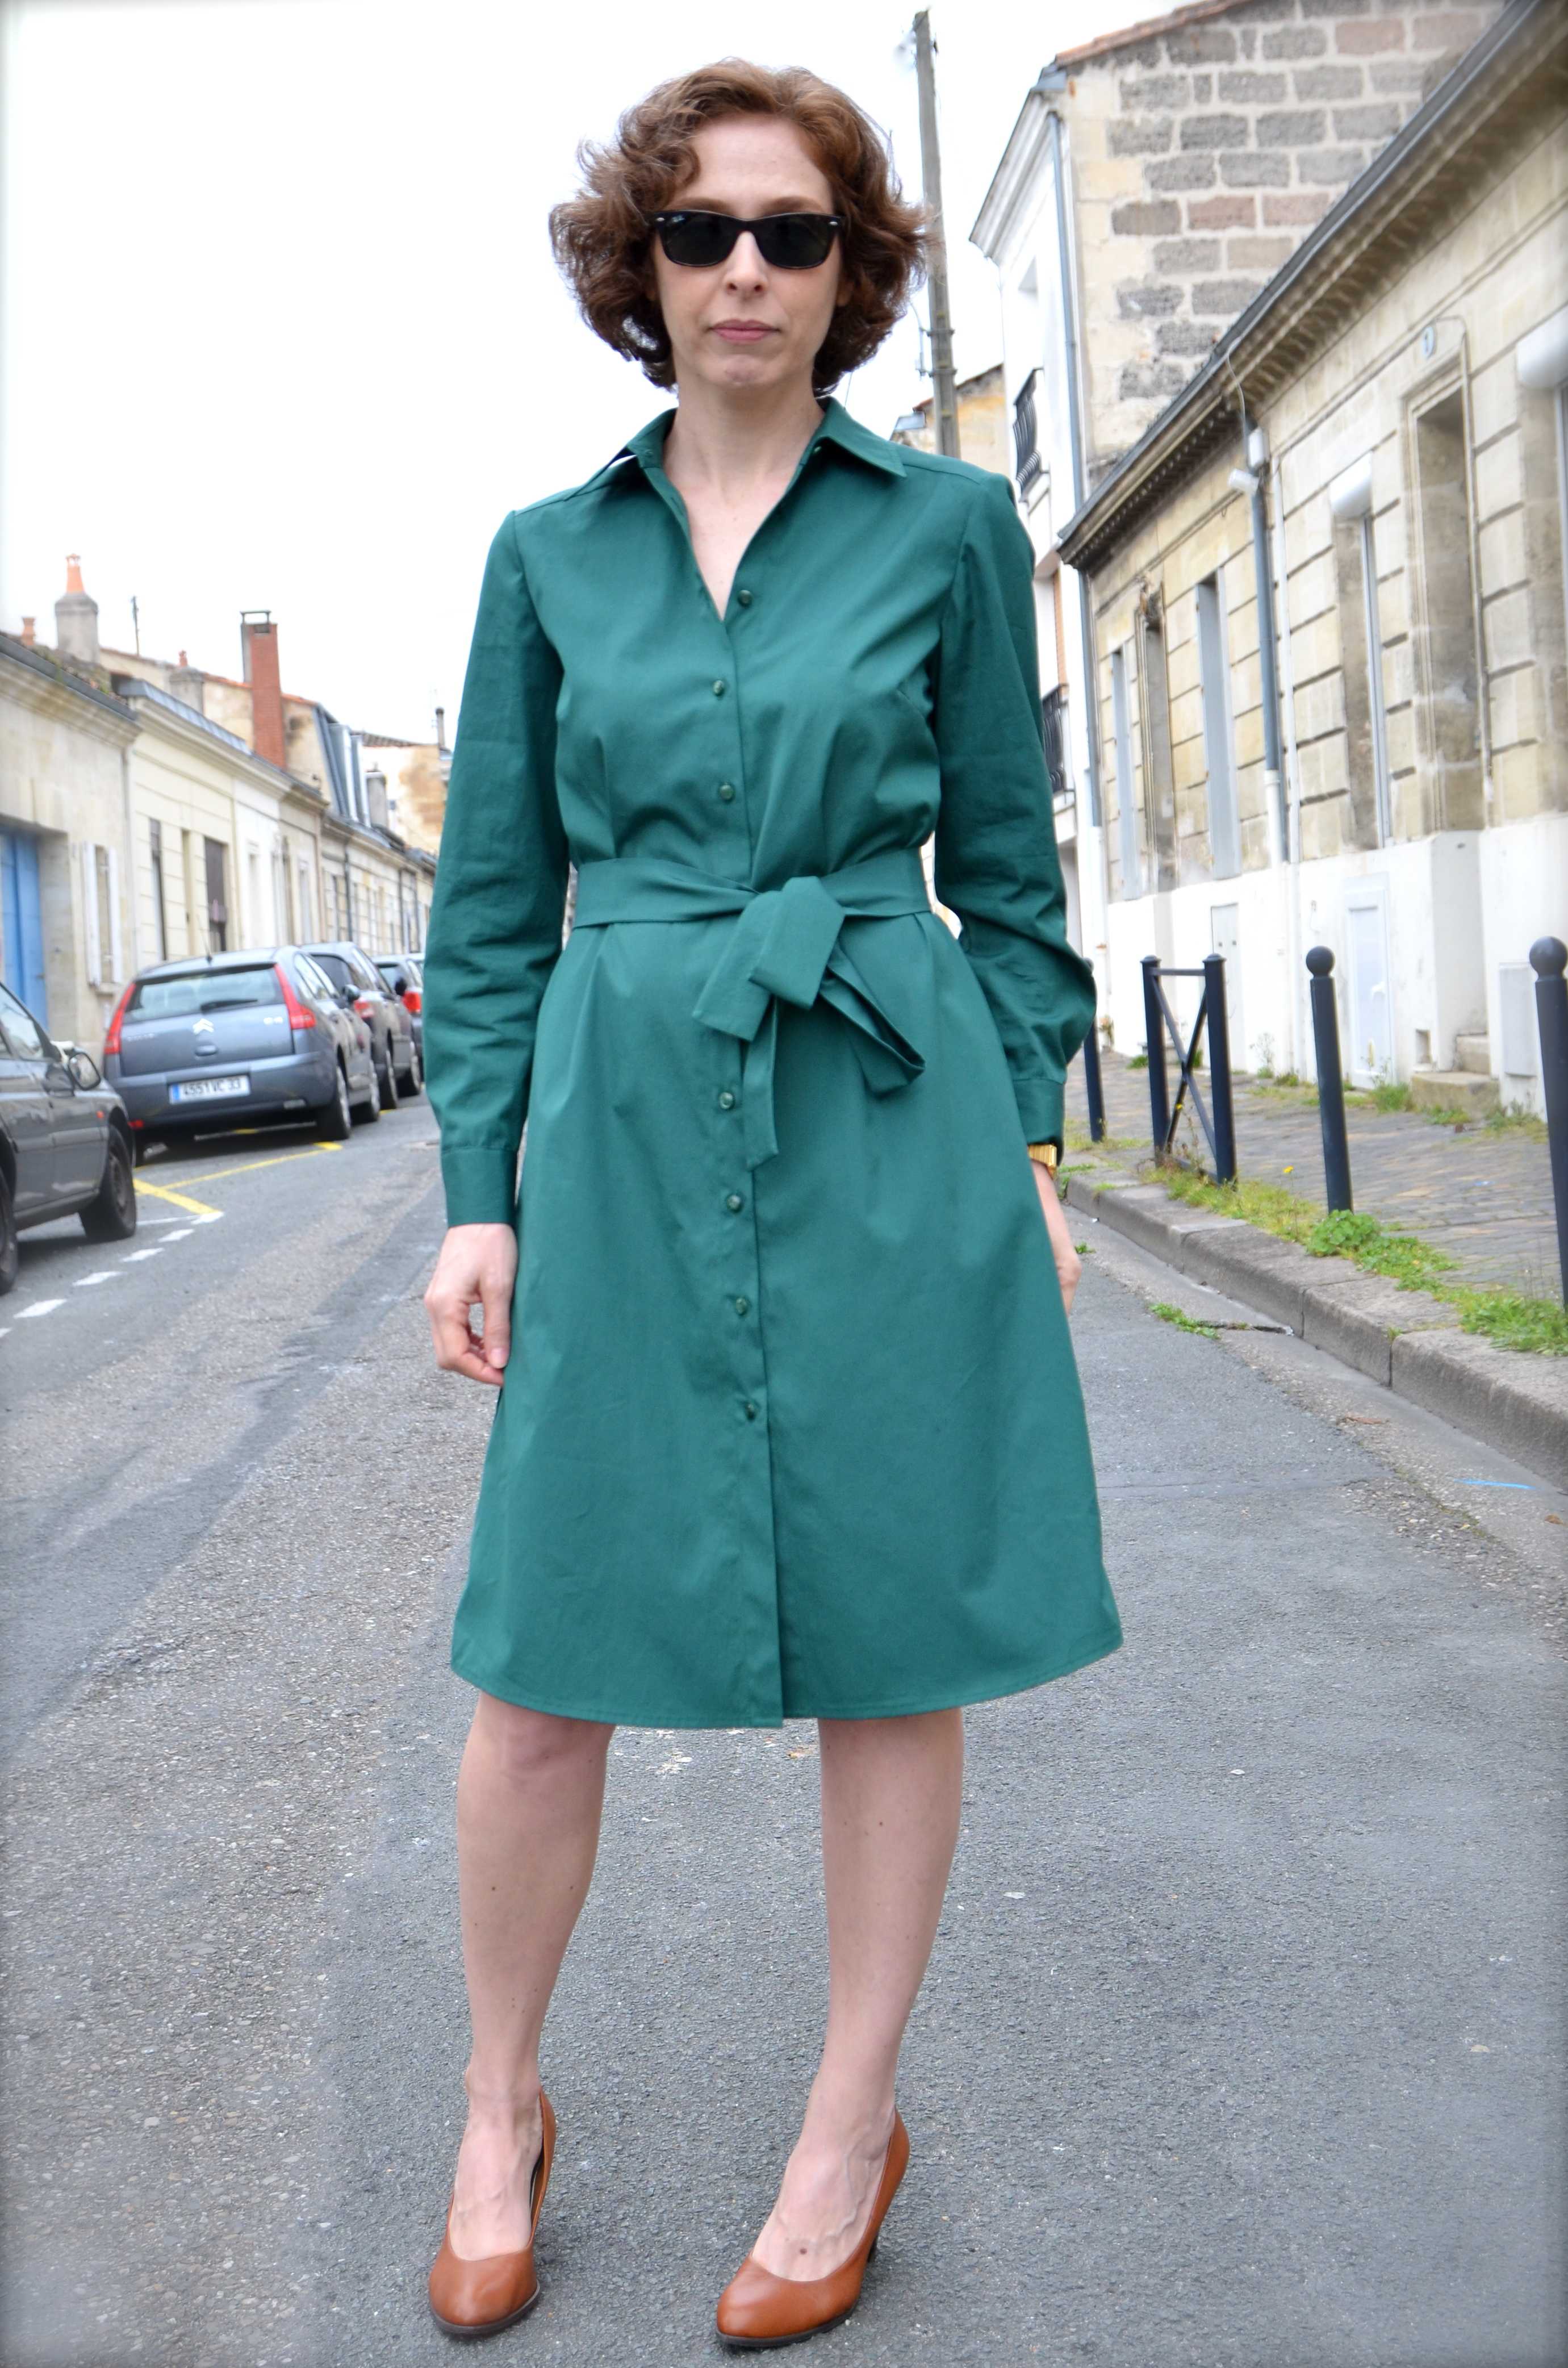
{"x":473,"y":2298}
{"x":758,"y":2310}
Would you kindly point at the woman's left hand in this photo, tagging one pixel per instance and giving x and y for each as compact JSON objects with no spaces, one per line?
{"x":1069,"y":1264}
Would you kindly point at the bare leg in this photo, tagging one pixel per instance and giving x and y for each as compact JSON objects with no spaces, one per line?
{"x":891,"y":1796}
{"x":531,"y":1793}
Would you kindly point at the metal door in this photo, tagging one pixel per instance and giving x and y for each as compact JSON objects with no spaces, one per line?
{"x":1371,"y":1047}
{"x":1225,"y":935}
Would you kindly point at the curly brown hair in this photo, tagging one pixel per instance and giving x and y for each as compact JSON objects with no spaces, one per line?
{"x":602,"y":237}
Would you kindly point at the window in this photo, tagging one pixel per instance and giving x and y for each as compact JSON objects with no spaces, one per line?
{"x":1449,"y":719}
{"x":160,"y":918}
{"x":206,"y":990}
{"x":214,"y":853}
{"x":1361,"y":654}
{"x":22,"y":1033}
{"x":1541,"y":359}
{"x":1219,"y":752}
{"x":1127,"y":816}
{"x":1159,"y":776}
{"x":100,"y":914}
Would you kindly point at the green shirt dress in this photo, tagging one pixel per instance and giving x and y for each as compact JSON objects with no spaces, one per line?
{"x":791,"y":1424}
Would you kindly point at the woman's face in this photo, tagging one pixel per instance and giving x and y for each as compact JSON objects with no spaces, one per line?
{"x":741,"y":324}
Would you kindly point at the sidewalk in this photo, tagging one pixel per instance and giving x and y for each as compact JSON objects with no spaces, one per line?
{"x":1484,"y":1197}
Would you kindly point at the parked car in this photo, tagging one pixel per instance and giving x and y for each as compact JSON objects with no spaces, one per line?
{"x":65,"y":1145}
{"x":404,"y":974}
{"x":399,"y":1062}
{"x":194,"y":1042}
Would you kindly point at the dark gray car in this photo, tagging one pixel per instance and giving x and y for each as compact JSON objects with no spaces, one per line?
{"x":399,"y":1064}
{"x":64,"y":1139}
{"x":225,"y":1039}
{"x":405,"y":974}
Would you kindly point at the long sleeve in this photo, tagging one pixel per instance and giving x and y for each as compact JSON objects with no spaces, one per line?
{"x":996,"y":861}
{"x":500,"y":897}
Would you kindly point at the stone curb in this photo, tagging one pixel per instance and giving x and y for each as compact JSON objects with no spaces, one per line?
{"x":1405,"y":1339}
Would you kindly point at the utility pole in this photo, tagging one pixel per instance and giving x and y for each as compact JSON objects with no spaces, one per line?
{"x":945,"y":400}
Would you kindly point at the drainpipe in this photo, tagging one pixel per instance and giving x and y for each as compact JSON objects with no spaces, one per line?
{"x":1075,"y":446}
{"x":1292,"y":775}
{"x":1249,"y":480}
{"x":131,"y":895}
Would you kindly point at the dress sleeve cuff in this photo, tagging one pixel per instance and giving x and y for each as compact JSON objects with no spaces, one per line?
{"x":481,"y":1183}
{"x":1042,"y":1109}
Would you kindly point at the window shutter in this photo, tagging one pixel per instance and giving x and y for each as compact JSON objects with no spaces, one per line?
{"x":90,"y":911}
{"x":114,"y":951}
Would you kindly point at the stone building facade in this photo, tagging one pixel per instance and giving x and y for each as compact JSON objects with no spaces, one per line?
{"x":1405,"y":383}
{"x":1204,"y":148}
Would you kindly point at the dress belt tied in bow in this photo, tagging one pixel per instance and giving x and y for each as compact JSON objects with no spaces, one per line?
{"x":786,"y":945}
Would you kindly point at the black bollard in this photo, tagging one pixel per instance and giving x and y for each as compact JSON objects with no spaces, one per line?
{"x":1094,"y":1084}
{"x":1155,"y":1036}
{"x":1548,"y":957}
{"x":1331,"y":1082}
{"x":1218,"y":1020}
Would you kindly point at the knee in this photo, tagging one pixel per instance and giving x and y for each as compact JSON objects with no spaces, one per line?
{"x":526,"y":1747}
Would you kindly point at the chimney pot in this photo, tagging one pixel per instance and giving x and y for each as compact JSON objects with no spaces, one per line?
{"x":259,"y":637}
{"x":76,"y":617}
{"x":29,"y":631}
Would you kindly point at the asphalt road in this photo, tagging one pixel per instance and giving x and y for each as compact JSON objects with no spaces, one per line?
{"x":1242,"y":2045}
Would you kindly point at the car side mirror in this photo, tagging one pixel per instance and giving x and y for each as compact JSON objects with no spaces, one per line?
{"x":400,"y":985}
{"x":83,"y":1070}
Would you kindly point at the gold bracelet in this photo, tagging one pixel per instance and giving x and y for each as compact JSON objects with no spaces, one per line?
{"x":1045,"y":1153}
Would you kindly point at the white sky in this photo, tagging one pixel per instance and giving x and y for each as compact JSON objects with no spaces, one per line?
{"x":282,"y":328}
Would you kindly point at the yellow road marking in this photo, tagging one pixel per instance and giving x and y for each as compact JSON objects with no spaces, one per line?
{"x":215,"y":1175}
{"x":180,"y":1199}
{"x":212,"y":1175}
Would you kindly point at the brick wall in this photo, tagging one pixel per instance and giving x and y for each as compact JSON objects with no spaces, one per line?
{"x":1203,"y":154}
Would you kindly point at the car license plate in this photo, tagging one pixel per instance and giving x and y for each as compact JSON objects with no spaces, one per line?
{"x":201,"y":1089}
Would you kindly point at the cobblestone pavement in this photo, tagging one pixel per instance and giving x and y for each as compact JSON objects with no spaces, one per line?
{"x":1482,"y":1196}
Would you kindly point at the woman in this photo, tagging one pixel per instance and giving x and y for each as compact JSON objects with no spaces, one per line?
{"x":787,"y":1419}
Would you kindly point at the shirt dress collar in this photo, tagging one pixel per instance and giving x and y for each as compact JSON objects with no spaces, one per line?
{"x":836,"y":426}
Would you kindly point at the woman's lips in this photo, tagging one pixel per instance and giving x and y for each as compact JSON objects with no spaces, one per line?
{"x":742,"y":333}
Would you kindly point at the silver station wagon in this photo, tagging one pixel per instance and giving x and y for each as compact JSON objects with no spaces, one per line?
{"x":231,"y":1038}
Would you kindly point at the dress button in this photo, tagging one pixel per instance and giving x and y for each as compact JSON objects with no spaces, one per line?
{"x":717,"y":690}
{"x":744,"y":599}
{"x":726,"y":790}
{"x":742,"y":1306}
{"x":751,"y":1409}
{"x":734,"y":1200}
{"x":726,"y":1098}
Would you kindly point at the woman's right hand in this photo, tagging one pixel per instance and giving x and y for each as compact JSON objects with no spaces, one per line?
{"x":477,"y":1263}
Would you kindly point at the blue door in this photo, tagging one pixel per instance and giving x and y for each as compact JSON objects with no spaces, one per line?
{"x":21,"y":923}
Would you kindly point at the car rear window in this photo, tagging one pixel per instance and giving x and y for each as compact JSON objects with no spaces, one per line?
{"x":216,"y":990}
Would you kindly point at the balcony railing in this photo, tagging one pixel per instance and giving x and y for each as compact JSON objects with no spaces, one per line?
{"x":1053,"y":733}
{"x":1028,"y":468}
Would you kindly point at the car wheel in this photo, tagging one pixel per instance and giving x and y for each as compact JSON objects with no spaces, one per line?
{"x":370,"y":1109}
{"x":112,"y":1216}
{"x":335,"y":1124}
{"x":415,"y":1078}
{"x":10,"y":1253}
{"x":389,"y":1095}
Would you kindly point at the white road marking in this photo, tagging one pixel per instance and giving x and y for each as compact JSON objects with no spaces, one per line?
{"x":39,"y":1307}
{"x":140,"y":1254}
{"x":180,"y":1236}
{"x":107,"y":1274}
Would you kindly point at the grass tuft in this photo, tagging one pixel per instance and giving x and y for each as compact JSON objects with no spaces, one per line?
{"x":1169,"y":1315}
{"x":1511,"y":1320}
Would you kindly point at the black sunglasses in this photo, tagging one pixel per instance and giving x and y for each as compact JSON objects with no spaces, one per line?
{"x":787,"y":242}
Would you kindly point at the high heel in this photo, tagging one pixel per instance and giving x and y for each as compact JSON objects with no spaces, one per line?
{"x":474,"y":2298}
{"x":758,"y":2310}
